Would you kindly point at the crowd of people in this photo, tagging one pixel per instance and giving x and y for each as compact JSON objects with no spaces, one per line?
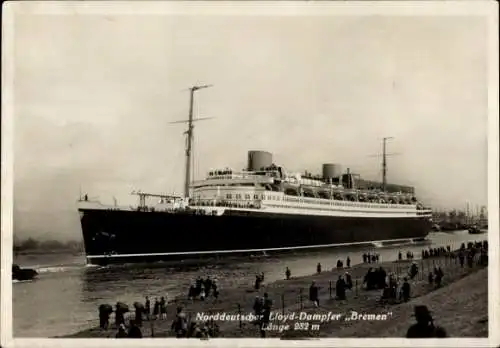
{"x":371,"y":257}
{"x":392,"y":286}
{"x":203,"y":288}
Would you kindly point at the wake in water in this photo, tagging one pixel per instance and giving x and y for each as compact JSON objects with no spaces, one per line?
{"x":55,"y":269}
{"x":15,"y":281}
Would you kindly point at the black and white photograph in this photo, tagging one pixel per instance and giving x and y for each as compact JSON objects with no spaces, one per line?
{"x":296,"y":170}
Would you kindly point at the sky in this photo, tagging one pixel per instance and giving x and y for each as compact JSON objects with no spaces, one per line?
{"x":94,"y":96}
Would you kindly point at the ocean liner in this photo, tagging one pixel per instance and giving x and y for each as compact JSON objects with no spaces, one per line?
{"x":261,"y":209}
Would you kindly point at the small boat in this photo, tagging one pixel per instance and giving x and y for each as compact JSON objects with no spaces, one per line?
{"x":22,"y":274}
{"x":475,"y":230}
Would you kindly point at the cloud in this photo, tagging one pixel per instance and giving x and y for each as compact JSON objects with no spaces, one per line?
{"x":94,"y":98}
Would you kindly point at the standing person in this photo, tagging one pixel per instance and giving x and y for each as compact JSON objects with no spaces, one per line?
{"x":119,"y":315}
{"x":104,"y":311}
{"x":156,"y":309}
{"x":179,"y":325}
{"x":215,"y":290}
{"x":258,"y":305}
{"x":348,"y":281}
{"x":288,"y":273}
{"x":134,"y":331}
{"x":257,"y":282}
{"x":163,"y":308}
{"x":147,"y":308}
{"x":340,"y":288}
{"x":405,"y":290}
{"x":313,"y":294}
{"x":424,"y":328}
{"x":139,"y":310}
{"x":461,"y":258}
{"x":121,"y":332}
{"x":266,"y":309}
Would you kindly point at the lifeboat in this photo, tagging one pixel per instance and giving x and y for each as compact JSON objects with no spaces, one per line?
{"x":338,"y":196}
{"x":362,"y":197}
{"x":324,"y":194}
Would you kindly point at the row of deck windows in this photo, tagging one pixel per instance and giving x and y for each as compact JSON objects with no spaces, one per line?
{"x":315,"y":201}
{"x":256,"y":196}
{"x":294,"y":199}
{"x":324,"y":209}
{"x":238,"y":196}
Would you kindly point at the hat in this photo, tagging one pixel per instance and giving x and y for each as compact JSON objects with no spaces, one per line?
{"x":422,"y":312}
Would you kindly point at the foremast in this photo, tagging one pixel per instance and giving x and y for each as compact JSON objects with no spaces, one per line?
{"x":189,"y":136}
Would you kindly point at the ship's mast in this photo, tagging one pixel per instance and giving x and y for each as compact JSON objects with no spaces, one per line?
{"x":189,"y":135}
{"x":384,"y":162}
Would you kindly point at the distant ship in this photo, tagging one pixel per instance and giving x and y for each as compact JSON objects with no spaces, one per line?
{"x":475,"y":230}
{"x":262,"y":209}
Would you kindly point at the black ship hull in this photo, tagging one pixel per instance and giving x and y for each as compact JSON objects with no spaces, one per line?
{"x":121,"y":236}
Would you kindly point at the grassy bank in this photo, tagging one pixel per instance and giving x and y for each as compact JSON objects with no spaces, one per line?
{"x":292,"y":296}
{"x":461,"y":308}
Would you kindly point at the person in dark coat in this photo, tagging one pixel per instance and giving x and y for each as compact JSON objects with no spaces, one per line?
{"x":348,"y":262}
{"x":134,"y":331}
{"x":313,"y":294}
{"x":431,"y":278}
{"x":381,"y":275}
{"x":339,"y":264}
{"x":405,"y":290}
{"x":208,"y":286}
{"x":147,"y":308}
{"x":438,"y":273}
{"x":192,"y":292}
{"x":318,"y":268}
{"x":104,"y":312}
{"x":119,"y":316}
{"x":348,"y":281}
{"x":424,"y":328}
{"x":288,"y":273}
{"x":199,"y":283}
{"x":121,"y":332}
{"x":413,"y":270}
{"x":369,"y":279}
{"x":163,"y":308}
{"x":179,"y":325}
{"x":470,"y":259}
{"x":266,"y":309}
{"x":215,"y":290}
{"x":258,"y":305}
{"x":257,"y":282}
{"x":461,"y":258}
{"x":340,"y":288}
{"x":156,"y":309}
{"x":139,"y":310}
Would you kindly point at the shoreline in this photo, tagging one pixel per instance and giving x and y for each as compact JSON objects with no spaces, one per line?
{"x":292,"y":296}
